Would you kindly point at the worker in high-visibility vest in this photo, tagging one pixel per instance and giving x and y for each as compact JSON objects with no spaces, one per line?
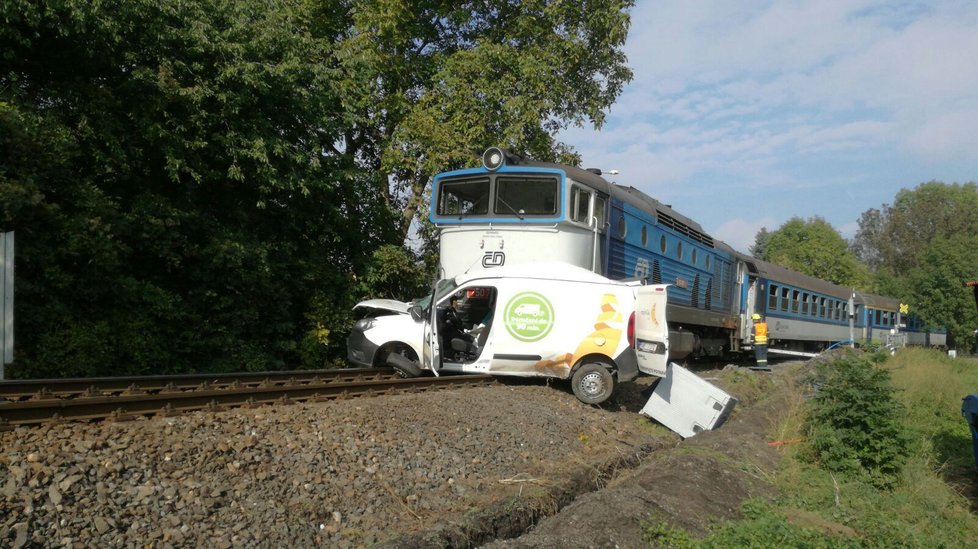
{"x":760,"y":342}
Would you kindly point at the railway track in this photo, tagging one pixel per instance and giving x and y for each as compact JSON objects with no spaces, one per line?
{"x":31,"y":402}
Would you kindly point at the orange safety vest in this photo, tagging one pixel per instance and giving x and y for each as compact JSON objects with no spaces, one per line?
{"x":760,"y":333}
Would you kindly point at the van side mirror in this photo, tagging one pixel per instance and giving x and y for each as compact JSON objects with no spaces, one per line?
{"x":416,"y":313}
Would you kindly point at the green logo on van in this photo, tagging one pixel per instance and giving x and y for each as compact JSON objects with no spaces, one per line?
{"x":529,"y":316}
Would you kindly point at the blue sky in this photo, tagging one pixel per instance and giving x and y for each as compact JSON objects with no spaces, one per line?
{"x":744,"y":114}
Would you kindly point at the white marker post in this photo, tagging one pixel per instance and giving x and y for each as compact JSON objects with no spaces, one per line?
{"x":6,"y":300}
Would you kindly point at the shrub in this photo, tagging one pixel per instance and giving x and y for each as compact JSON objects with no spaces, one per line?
{"x":853,"y":423}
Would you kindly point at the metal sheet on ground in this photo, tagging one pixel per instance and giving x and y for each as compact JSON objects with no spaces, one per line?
{"x":687,"y":403}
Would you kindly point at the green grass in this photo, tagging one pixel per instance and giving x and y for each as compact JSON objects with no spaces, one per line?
{"x":926,"y":504}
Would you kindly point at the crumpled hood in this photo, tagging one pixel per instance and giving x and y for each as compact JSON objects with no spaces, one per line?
{"x":391,"y":305}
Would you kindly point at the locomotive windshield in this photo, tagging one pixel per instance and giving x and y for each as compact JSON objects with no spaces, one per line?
{"x":464,"y":197}
{"x":508,"y":195}
{"x":526,"y":196}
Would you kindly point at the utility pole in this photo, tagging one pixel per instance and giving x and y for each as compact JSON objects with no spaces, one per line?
{"x":852,"y":319}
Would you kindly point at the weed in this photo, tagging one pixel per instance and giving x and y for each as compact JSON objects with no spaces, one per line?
{"x":661,"y":535}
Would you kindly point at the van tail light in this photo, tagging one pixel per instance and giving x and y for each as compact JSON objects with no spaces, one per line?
{"x":631,"y":330}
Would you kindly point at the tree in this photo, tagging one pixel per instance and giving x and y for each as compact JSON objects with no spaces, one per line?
{"x":428,"y":85}
{"x":759,"y":248}
{"x":935,"y":287}
{"x":815,"y":248}
{"x":166,"y":167}
{"x":894,"y":238}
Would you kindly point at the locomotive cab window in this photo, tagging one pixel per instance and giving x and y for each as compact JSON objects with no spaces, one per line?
{"x":463,"y":197}
{"x":519,"y":196}
{"x":599,"y":212}
{"x":580,"y":205}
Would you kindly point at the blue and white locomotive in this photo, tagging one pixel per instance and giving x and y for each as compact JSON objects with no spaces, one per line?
{"x":514,"y":210}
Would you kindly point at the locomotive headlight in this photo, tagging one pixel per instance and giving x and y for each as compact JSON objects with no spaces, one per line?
{"x":493,"y":158}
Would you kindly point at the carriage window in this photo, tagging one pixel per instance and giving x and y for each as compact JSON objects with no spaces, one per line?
{"x":580,"y":202}
{"x":679,"y":250}
{"x":821,"y":307}
{"x":662,"y":243}
{"x":784,"y":299}
{"x":707,"y":263}
{"x":838,"y":310}
{"x":804,"y":303}
{"x":518,"y":196}
{"x":693,"y":258}
{"x":794,"y":301}
{"x":464,"y":197}
{"x":876,"y":318}
{"x":845,"y":310}
{"x":772,"y":298}
{"x":645,"y":236}
{"x":814,"y":305}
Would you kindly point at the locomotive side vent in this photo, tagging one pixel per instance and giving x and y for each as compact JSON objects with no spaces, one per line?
{"x":682,"y":228}
{"x":709,"y":295}
{"x":695,"y":299}
{"x":656,"y":272}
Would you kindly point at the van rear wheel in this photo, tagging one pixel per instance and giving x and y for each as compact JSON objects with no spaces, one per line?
{"x":593,"y":383}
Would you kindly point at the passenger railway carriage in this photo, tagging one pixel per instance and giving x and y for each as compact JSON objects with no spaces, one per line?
{"x":513,"y":210}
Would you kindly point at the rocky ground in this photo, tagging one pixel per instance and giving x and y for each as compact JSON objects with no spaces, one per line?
{"x":454,"y":468}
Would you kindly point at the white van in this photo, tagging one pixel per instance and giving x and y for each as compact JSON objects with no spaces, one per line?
{"x":552,"y":320}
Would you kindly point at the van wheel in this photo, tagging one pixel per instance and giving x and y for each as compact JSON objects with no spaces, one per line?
{"x":593,"y":383}
{"x":402,"y":359}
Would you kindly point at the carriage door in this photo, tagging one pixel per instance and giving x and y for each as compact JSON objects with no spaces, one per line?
{"x":651,"y":330}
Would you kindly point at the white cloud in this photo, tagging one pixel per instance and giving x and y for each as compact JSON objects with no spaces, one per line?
{"x":802,"y":96}
{"x":739,"y":233}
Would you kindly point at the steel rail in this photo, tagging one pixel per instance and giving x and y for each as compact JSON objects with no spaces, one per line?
{"x":95,"y":386}
{"x":28,"y":412}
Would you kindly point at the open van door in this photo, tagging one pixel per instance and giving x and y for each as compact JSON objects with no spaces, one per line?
{"x":651,"y":331}
{"x":431,"y":352}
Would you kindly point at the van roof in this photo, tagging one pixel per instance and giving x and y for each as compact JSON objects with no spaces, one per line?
{"x":542,"y":270}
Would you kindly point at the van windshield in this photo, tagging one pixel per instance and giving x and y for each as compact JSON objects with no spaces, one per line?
{"x":442,"y":288}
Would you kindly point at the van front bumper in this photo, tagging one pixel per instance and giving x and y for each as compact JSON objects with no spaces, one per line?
{"x":360,"y":350}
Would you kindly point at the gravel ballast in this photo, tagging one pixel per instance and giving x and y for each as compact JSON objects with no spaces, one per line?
{"x":343,"y":473}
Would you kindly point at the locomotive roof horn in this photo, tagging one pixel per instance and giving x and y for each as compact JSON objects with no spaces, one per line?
{"x":496,"y":157}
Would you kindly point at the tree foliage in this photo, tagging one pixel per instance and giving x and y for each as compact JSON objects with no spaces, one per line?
{"x":895,"y":238}
{"x":923,"y":248}
{"x":429,"y":84}
{"x":203,"y":185}
{"x":812,"y":247}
